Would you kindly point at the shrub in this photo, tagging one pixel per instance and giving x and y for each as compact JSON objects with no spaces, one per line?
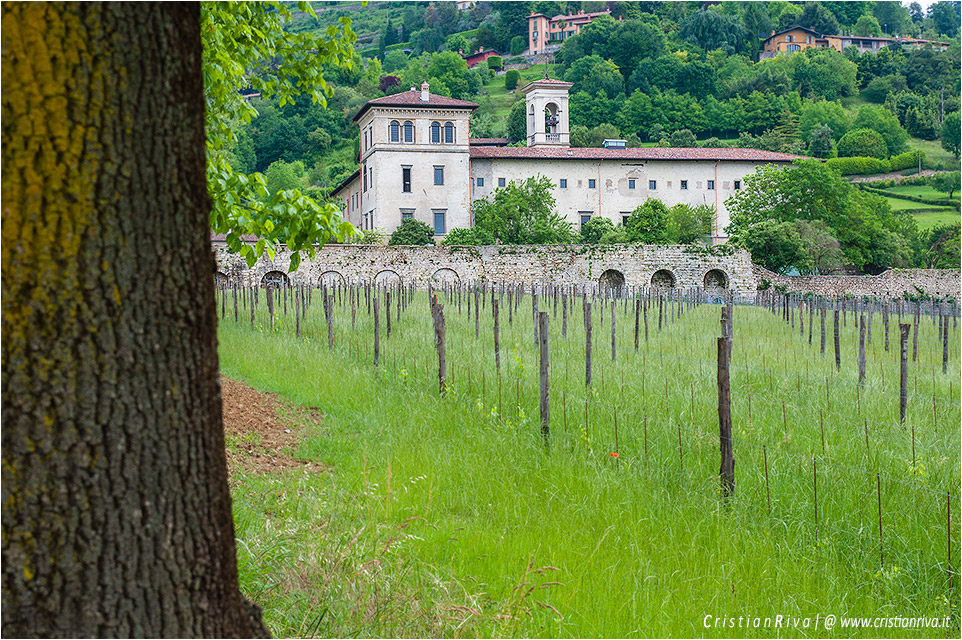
{"x":517,"y":45}
{"x":412,"y":232}
{"x":858,"y":166}
{"x":862,"y":142}
{"x":595,"y":228}
{"x":648,"y":223}
{"x":495,"y":62}
{"x":466,"y":237}
{"x":683,"y":138}
{"x":511,"y":78}
{"x":905,"y":160}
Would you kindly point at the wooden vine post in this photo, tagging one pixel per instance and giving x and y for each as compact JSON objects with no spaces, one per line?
{"x":437,"y":313}
{"x":727,"y":471}
{"x":544,"y":376}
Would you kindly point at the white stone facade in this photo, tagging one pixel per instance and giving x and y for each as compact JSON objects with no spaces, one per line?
{"x":613,"y":189}
{"x":411,"y":142}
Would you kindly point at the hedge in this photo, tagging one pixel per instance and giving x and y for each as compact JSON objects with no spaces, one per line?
{"x":905,"y":160}
{"x":937,"y":202}
{"x":859,"y":165}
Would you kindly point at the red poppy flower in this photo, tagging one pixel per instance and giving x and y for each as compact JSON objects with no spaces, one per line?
{"x":613,"y":455}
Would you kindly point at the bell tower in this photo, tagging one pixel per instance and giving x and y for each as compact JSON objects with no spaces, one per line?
{"x":546,"y":106}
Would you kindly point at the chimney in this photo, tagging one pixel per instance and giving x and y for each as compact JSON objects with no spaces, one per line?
{"x":424,"y":91}
{"x":461,"y":52}
{"x":413,"y":88}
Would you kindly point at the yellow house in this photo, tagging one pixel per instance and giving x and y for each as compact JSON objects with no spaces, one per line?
{"x":792,"y":40}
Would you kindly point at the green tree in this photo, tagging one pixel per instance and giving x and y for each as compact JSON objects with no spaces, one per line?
{"x":688,"y":224}
{"x":452,"y":71}
{"x":113,"y":449}
{"x":871,"y":236}
{"x":522,"y":214}
{"x":893,"y":17}
{"x":776,"y":246}
{"x":457,"y":43}
{"x":818,"y":18}
{"x":820,"y":143}
{"x":946,"y":182}
{"x":940,"y":247}
{"x":412,"y":232}
{"x":862,"y":142}
{"x":495,"y":62}
{"x":517,"y":45}
{"x":282,"y":176}
{"x":683,"y":138}
{"x":887,"y":125}
{"x":593,"y":74}
{"x":511,"y":78}
{"x":517,"y":129}
{"x":648,"y":223}
{"x":877,"y":90}
{"x":823,"y":250}
{"x":823,"y":112}
{"x":246,"y":44}
{"x":950,"y":135}
{"x":867,"y":26}
{"x":594,"y":229}
{"x":945,"y":17}
{"x":711,"y":30}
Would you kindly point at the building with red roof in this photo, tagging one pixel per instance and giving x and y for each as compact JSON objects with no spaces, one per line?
{"x":417,"y":160}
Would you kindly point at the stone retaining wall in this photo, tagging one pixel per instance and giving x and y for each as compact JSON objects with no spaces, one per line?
{"x":894,"y":283}
{"x":632,"y":266}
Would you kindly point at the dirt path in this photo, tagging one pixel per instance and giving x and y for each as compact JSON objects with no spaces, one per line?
{"x":897,"y":176}
{"x":262,"y":430}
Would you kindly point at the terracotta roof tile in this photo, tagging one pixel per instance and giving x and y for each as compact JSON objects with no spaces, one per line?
{"x":413,"y":99}
{"x":489,"y":142}
{"x":641,"y":153}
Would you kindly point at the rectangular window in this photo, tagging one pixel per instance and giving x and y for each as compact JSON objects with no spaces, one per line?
{"x":591,"y":183}
{"x":364,"y":180}
{"x":684,"y":185}
{"x":479,"y":182}
{"x":652,"y":185}
{"x":711,"y":185}
{"x":406,"y":213}
{"x":500,"y":182}
{"x":439,"y":228}
{"x":738,"y":185}
{"x":438,"y":175}
{"x":585,"y":217}
{"x":624,"y":218}
{"x":631,"y":183}
{"x":563,"y":183}
{"x":406,"y":179}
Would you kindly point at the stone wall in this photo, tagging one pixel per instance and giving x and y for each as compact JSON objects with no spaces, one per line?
{"x":893,"y":283}
{"x":632,"y":266}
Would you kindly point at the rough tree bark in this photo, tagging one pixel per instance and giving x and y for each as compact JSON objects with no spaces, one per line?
{"x":116,"y":511}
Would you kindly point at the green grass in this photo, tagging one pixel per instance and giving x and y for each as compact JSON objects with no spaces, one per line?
{"x":922,"y":191}
{"x":446,"y":516}
{"x":501,"y":100}
{"x":926,"y":219}
{"x":934,"y":154}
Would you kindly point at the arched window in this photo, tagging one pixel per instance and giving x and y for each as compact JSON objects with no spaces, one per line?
{"x":449,"y":133}
{"x":395,"y":131}
{"x":408,"y":131}
{"x":435,"y":133}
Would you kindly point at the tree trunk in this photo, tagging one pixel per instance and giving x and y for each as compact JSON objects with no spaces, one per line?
{"x":116,"y":511}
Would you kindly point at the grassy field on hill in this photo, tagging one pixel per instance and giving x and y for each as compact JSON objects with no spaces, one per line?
{"x":446,"y":515}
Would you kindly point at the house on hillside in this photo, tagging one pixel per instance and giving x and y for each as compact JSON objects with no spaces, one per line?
{"x":801,"y":38}
{"x":417,"y":160}
{"x":478,"y":57}
{"x":546,"y":34}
